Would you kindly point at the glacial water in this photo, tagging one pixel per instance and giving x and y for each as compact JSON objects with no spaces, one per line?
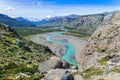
{"x":70,"y":50}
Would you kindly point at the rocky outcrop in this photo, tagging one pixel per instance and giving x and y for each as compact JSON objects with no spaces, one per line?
{"x":59,"y":74}
{"x":52,"y":63}
{"x":5,"y":28}
{"x":103,"y":48}
{"x":102,"y":54}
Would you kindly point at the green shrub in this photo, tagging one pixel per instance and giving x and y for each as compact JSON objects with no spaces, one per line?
{"x":88,"y":73}
{"x":103,"y":61}
{"x":116,"y":70}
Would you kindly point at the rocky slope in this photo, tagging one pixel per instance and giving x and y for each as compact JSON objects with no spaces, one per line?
{"x":102,"y":52}
{"x":20,"y":58}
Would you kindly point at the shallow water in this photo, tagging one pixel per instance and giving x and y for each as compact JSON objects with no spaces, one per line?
{"x":70,"y":50}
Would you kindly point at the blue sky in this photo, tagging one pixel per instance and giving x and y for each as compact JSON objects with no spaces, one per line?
{"x":49,"y":8}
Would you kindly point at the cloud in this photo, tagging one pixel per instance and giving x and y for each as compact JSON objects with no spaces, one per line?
{"x":9,"y":8}
{"x":39,"y":9}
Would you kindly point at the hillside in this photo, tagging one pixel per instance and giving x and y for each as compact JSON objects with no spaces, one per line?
{"x":20,"y":57}
{"x":12,"y":22}
{"x":102,"y":53}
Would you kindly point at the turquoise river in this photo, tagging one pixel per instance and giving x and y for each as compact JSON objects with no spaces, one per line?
{"x":70,"y":50}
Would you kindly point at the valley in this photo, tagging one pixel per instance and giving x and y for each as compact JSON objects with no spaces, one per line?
{"x":72,"y":47}
{"x":61,"y":45}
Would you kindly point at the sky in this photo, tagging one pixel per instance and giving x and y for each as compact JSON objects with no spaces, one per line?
{"x":39,"y":9}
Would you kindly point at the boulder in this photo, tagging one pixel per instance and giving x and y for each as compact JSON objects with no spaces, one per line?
{"x":59,"y":74}
{"x":67,"y":76}
{"x":52,"y":63}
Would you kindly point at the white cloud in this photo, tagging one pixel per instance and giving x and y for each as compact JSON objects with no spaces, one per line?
{"x":43,"y":10}
{"x":9,"y":8}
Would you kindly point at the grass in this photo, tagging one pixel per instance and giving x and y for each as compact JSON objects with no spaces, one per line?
{"x":88,"y":73}
{"x":25,"y":31}
{"x":18,"y":56}
{"x":76,"y":31}
{"x":81,"y":29}
{"x":116,"y":70}
{"x":81,"y":35}
{"x":103,"y":61}
{"x":33,"y":30}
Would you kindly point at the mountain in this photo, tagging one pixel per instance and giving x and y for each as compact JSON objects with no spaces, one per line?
{"x":82,"y":23}
{"x":57,"y":21}
{"x":24,"y":20}
{"x":20,"y":57}
{"x":78,"y":21}
{"x":73,"y":20}
{"x":11,"y":21}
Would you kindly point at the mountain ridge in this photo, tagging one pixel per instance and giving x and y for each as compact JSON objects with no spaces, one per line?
{"x":11,"y":21}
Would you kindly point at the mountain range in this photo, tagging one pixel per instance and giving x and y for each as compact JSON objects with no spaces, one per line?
{"x":81,"y":23}
{"x":92,"y":20}
{"x":73,"y":20}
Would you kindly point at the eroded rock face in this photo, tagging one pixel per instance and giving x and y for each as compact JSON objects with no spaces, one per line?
{"x":102,"y":49}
